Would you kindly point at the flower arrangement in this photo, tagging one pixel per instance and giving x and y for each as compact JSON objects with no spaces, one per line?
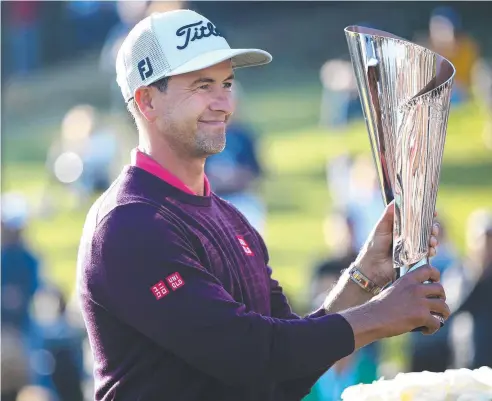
{"x":451,"y":385}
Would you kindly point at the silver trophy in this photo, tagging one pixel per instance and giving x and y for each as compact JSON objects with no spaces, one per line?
{"x":405,"y":92}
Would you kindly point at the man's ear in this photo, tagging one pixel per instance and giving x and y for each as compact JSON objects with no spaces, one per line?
{"x":144,"y":101}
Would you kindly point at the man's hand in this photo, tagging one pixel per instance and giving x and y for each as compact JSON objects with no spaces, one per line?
{"x":375,"y":259}
{"x":409,"y":302}
{"x":401,"y":308}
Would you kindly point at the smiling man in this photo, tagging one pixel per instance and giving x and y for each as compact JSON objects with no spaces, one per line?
{"x":174,"y":283}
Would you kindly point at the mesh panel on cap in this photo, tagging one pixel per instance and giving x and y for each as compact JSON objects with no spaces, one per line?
{"x":143,"y":50}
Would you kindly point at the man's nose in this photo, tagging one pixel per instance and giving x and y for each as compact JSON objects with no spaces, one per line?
{"x":222,"y":101}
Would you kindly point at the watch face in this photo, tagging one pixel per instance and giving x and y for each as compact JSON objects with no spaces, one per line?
{"x":363,"y":281}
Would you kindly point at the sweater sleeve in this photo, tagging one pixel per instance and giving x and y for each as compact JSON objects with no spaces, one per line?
{"x":298,"y":388}
{"x":294,"y":389}
{"x":151,"y":278}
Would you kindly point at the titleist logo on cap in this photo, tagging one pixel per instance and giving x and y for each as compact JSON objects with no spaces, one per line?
{"x":199,"y":33}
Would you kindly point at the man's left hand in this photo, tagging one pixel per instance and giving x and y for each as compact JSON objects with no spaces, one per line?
{"x":375,"y":259}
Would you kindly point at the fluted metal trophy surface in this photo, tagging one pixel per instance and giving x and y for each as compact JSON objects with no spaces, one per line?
{"x":405,"y":92}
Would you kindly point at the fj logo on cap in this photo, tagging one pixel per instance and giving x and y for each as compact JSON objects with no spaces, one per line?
{"x":199,"y":32}
{"x":145,"y":68}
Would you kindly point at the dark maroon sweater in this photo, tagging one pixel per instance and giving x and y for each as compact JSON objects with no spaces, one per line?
{"x":179,"y":302}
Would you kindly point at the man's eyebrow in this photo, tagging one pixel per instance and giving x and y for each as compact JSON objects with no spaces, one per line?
{"x":204,"y":80}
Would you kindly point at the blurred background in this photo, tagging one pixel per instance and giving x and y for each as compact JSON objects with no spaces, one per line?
{"x":297,"y":164}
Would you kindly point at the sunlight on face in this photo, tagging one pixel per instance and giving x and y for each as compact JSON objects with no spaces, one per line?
{"x":194,"y":110}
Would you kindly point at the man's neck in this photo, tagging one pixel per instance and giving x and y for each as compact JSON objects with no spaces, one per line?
{"x":190,"y":171}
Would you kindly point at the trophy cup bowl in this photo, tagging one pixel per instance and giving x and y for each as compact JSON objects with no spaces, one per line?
{"x":405,"y":92}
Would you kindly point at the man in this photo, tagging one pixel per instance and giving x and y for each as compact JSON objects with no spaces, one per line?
{"x":471,"y":283}
{"x":174,"y":283}
{"x":20,"y":277}
{"x":448,"y":38}
{"x":20,"y":266}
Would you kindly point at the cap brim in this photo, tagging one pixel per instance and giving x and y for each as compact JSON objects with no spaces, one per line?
{"x":240,"y":58}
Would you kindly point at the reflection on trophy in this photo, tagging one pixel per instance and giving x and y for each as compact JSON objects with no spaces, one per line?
{"x":405,"y":93}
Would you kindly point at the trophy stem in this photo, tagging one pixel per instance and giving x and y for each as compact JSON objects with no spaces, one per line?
{"x":408,"y":268}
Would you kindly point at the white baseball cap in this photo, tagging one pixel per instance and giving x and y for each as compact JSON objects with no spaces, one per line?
{"x":172,"y":43}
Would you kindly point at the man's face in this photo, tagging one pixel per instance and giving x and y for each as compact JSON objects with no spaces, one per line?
{"x":193,"y":112}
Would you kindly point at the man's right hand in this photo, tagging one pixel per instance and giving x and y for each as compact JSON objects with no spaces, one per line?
{"x":408,"y":303}
{"x":401,"y":308}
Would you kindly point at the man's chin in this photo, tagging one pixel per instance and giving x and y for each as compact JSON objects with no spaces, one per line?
{"x":213,"y":150}
{"x":210,"y":145}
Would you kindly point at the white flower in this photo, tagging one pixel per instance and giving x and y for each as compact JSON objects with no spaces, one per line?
{"x":451,"y":385}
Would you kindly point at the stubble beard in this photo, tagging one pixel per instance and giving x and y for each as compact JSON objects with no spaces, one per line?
{"x":191,"y":141}
{"x":207,"y":143}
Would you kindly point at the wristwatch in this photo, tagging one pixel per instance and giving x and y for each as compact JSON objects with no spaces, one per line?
{"x":362,"y":281}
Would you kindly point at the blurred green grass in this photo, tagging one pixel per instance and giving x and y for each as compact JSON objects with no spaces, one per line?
{"x":294,"y":151}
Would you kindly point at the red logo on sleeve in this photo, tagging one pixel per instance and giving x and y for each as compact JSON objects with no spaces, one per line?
{"x":244,"y":244}
{"x":175,"y":281}
{"x":159,"y":290}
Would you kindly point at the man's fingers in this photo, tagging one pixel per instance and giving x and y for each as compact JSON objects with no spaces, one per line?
{"x":433,"y":241}
{"x":385,"y":224}
{"x":435,"y":229}
{"x":433,"y":290}
{"x":426,"y":273}
{"x":439,"y":306}
{"x":431,"y":325}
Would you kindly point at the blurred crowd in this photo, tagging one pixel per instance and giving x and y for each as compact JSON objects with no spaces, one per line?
{"x":446,"y":36}
{"x":41,"y":331}
{"x":45,"y":352}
